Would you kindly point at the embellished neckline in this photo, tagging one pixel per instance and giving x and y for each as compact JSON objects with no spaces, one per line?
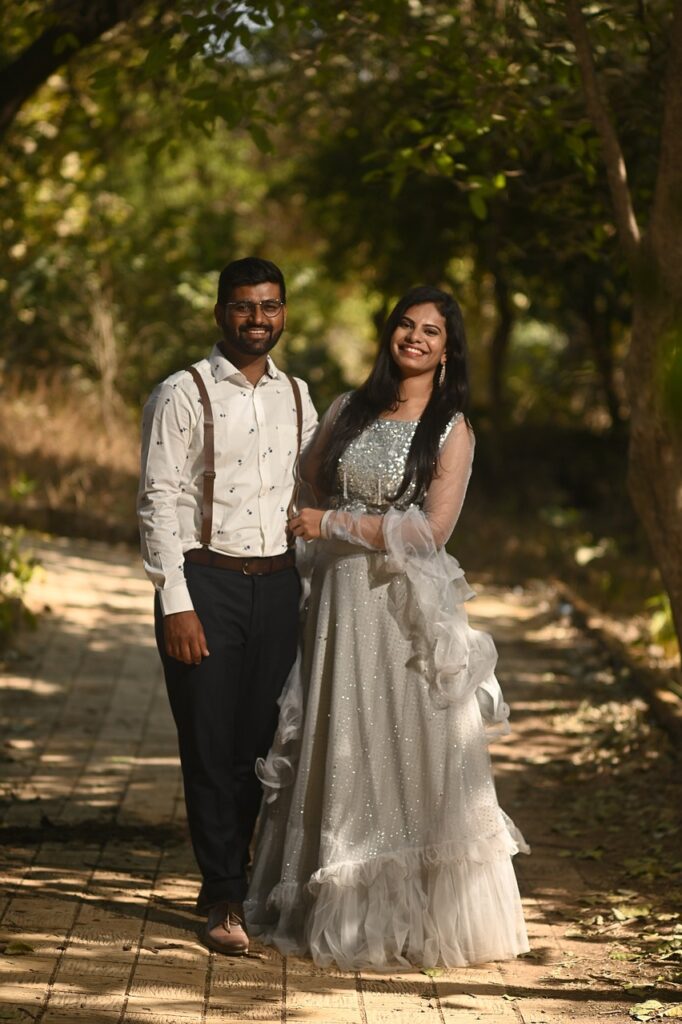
{"x":384,"y":419}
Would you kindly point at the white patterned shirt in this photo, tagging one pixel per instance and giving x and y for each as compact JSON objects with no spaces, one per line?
{"x":255,"y":449}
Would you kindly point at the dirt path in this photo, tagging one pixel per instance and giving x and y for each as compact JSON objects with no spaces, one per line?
{"x":96,"y":918}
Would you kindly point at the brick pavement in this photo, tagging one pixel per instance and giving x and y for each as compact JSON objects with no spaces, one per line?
{"x":98,"y":878}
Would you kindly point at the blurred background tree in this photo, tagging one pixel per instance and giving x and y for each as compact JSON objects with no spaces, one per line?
{"x":366,"y":146}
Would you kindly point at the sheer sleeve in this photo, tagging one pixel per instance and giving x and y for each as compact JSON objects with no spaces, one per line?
{"x":421,"y":531}
{"x":427,"y":588}
{"x":445,"y":496}
{"x":311,"y":455}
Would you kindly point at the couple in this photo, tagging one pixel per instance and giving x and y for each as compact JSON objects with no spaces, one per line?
{"x":380,"y":841}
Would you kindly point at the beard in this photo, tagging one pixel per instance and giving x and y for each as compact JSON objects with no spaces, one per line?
{"x":238,"y":339}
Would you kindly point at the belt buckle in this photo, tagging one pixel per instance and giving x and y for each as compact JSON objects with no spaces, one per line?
{"x":245,"y":567}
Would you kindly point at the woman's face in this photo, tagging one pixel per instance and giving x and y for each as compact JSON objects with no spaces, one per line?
{"x":418,"y":342}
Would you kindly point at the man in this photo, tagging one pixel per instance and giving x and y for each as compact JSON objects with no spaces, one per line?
{"x":227,"y":611}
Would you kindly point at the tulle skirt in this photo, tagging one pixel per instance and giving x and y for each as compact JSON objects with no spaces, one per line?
{"x":381,"y":843}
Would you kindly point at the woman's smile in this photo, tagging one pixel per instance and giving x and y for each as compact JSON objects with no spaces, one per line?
{"x":411,"y":350}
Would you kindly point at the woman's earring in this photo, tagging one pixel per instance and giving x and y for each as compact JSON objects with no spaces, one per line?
{"x":440,"y":376}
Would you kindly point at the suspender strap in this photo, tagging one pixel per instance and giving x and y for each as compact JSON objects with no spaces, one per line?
{"x":209,"y":459}
{"x":209,"y":454}
{"x":299,"y":433}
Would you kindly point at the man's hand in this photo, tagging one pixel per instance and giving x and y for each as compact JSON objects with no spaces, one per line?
{"x":306,"y":523}
{"x":184,"y":637}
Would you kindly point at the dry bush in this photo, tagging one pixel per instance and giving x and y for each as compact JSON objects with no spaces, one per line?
{"x":64,"y":454}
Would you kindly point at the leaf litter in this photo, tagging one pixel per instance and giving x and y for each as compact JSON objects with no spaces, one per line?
{"x":618,"y":824}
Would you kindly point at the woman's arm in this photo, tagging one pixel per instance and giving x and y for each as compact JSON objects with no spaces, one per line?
{"x":311,"y":456}
{"x":447,"y":491}
{"x":422,"y":533}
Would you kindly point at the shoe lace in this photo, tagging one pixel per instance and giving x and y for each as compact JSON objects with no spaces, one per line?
{"x":232,"y":919}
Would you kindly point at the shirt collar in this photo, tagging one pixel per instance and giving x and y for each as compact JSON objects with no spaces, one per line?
{"x":223,"y":369}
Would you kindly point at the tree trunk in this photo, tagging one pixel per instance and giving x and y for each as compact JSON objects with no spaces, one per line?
{"x":655,"y":446}
{"x":655,"y":456}
{"x":655,"y":261}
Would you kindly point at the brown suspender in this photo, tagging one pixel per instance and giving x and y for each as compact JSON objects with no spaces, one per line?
{"x":209,"y":454}
{"x":209,"y":459}
{"x":299,"y":432}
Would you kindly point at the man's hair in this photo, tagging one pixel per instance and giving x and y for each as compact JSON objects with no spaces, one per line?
{"x":251,"y":270}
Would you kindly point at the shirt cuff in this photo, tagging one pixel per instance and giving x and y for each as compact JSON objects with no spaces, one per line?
{"x":175,"y":599}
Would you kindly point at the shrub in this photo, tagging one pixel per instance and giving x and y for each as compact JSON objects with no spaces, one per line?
{"x":16,"y":569}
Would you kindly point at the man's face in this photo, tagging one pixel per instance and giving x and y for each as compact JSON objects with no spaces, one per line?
{"x":249,"y":333}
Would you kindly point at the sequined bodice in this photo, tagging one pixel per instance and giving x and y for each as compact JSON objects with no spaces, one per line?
{"x":372,"y":466}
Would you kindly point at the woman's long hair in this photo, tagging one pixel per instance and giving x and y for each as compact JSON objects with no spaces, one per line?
{"x":381,"y":393}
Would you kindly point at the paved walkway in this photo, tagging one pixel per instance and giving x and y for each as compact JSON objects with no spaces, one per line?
{"x":99,"y":881}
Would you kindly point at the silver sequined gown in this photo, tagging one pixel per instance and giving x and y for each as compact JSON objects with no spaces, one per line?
{"x":388,"y":848}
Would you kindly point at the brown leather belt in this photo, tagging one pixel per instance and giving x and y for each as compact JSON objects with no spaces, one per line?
{"x":247,"y":566}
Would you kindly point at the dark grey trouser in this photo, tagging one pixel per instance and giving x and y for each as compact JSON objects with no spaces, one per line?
{"x":225,"y":710}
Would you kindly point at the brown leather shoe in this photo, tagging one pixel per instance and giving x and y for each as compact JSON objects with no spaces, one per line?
{"x":225,"y":929}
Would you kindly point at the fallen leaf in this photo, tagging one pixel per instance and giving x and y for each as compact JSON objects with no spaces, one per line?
{"x":18,"y":948}
{"x":647,"y":1010}
{"x":595,"y":854}
{"x":627,"y":912}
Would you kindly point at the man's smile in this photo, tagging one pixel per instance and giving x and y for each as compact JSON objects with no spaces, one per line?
{"x":256,"y":332}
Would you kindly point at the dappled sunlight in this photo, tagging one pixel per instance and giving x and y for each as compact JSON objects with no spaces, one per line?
{"x":101,"y":880}
{"x":86,"y":700}
{"x":524,"y":156}
{"x":39,"y":687}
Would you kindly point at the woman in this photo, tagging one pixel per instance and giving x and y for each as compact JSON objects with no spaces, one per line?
{"x":388,"y":848}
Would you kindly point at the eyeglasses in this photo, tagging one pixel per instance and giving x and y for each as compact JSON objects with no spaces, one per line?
{"x":244,"y":307}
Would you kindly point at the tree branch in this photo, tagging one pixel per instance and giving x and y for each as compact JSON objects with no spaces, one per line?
{"x":598,"y":110}
{"x":76,"y":26}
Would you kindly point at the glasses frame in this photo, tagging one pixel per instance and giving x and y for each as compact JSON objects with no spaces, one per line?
{"x":252,"y":307}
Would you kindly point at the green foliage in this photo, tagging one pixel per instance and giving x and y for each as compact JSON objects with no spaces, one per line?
{"x":111,"y":267}
{"x":132,"y":178}
{"x":365,"y":146}
{"x":670,"y":373}
{"x":661,"y":625}
{"x":22,"y":487}
{"x":16,"y":570}
{"x":474,"y":145}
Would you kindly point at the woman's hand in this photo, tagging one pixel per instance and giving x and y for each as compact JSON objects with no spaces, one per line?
{"x":306,"y":523}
